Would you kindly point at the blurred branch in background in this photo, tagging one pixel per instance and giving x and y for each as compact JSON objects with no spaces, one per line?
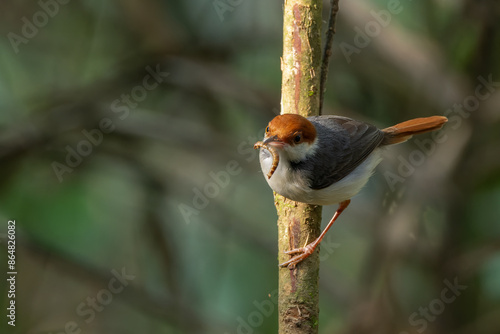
{"x":330,"y":34}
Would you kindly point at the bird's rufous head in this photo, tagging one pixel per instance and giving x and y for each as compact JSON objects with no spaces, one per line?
{"x":292,"y":133}
{"x":290,"y":129}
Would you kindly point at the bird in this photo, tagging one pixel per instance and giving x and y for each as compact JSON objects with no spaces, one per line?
{"x":326,"y":160}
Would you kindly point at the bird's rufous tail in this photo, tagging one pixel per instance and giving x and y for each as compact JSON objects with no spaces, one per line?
{"x":403,"y":131}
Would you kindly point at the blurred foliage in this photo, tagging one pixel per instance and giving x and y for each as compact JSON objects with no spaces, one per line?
{"x":207,"y":263}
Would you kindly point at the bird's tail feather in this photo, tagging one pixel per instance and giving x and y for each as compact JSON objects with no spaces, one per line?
{"x":403,"y":131}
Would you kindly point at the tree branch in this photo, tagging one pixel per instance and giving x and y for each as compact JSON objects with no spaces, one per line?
{"x":299,"y":223}
{"x":328,"y":51}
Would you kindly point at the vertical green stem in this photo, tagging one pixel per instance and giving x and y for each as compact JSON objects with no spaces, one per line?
{"x":299,"y":223}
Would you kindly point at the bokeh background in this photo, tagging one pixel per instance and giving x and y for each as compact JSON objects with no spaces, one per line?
{"x":126,"y":162}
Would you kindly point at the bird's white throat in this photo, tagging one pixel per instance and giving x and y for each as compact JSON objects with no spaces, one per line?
{"x":300,"y":151}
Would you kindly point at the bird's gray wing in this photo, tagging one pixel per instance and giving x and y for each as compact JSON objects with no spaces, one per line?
{"x":344,"y":144}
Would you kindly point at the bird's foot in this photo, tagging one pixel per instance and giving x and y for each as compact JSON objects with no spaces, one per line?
{"x":302,"y":254}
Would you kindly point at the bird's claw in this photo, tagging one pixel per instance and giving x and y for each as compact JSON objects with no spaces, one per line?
{"x":295,"y":251}
{"x":303,"y":253}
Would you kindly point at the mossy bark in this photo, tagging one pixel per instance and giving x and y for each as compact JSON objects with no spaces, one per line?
{"x":299,"y":223}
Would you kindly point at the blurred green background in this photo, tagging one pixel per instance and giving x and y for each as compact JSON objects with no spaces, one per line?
{"x":126,"y":162}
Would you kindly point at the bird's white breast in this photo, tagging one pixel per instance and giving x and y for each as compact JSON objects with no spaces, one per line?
{"x":295,"y":185}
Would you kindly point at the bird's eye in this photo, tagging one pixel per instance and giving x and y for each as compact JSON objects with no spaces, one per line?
{"x":297,"y":138}
{"x":267,"y":129}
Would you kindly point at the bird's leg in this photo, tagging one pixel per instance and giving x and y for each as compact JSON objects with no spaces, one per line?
{"x":299,"y":250}
{"x":304,"y":252}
